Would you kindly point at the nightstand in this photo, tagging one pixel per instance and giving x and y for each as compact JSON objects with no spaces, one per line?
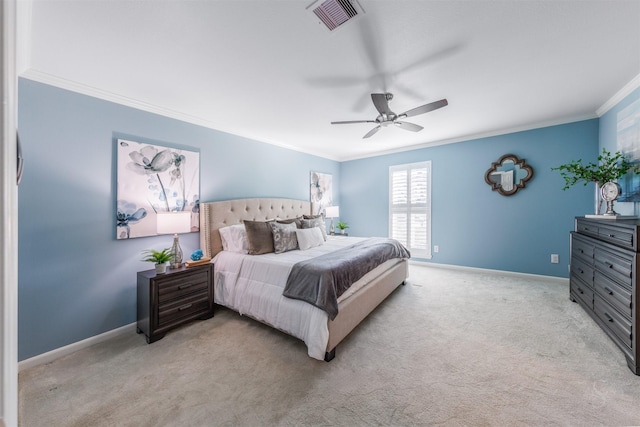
{"x":166,"y":301}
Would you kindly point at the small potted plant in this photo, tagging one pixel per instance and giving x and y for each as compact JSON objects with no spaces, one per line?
{"x":342,"y":226}
{"x":608,"y":168}
{"x":160,"y":258}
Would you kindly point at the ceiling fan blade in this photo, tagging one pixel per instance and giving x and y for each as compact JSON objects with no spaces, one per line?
{"x":424,"y":108}
{"x":353,"y":121}
{"x":372,"y":132}
{"x":408,"y":126}
{"x":381,"y":102}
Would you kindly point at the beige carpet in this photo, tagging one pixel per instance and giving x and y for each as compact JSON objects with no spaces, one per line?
{"x":450,"y":348}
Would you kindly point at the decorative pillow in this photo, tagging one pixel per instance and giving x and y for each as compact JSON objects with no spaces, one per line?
{"x":284,"y":237}
{"x":312,"y":216}
{"x":309,"y":238}
{"x":260,"y":237}
{"x":316,"y":222}
{"x":297,"y":221}
{"x":234,"y":238}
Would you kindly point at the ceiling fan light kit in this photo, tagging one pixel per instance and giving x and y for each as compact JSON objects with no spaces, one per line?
{"x":387,"y":117}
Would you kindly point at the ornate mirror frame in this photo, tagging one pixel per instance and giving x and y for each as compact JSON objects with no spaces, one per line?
{"x":508,"y":174}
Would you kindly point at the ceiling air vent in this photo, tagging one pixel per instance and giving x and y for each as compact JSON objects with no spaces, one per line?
{"x":334,"y":13}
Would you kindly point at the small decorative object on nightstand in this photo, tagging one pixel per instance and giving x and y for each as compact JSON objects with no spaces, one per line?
{"x":343,"y":227}
{"x":166,"y":301}
{"x":332,"y":212}
{"x":159,"y":258}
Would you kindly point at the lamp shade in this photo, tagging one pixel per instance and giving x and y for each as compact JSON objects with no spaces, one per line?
{"x":332,"y":211}
{"x":173,"y":222}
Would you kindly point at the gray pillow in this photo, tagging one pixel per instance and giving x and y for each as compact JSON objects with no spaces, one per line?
{"x":295,"y":221}
{"x":316,"y":222}
{"x":260,"y":237}
{"x":284,"y":236}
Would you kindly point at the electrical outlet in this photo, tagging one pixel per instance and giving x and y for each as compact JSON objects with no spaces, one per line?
{"x":554,"y":259}
{"x":436,"y":249}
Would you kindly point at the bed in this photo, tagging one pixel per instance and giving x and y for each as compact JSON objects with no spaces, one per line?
{"x":249,"y":293}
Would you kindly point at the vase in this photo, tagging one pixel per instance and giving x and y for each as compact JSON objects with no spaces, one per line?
{"x":597,"y":199}
{"x":161,"y":268}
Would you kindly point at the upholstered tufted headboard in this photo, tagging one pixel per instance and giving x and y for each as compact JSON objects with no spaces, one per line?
{"x":215,"y":215}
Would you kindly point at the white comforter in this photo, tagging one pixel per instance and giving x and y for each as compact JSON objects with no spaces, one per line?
{"x":252,"y":285}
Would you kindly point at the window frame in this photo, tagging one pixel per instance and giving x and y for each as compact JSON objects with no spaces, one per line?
{"x":410,"y":208}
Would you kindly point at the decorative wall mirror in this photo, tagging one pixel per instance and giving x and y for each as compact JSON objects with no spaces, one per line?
{"x":508,"y":174}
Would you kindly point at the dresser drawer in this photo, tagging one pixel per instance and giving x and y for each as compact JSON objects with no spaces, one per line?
{"x":582,"y":291}
{"x":581,"y":248}
{"x":614,"y":294}
{"x":182,"y":285}
{"x":582,"y":270}
{"x":587,"y":228}
{"x":615,"y":322}
{"x":616,"y":265}
{"x":618,"y":236}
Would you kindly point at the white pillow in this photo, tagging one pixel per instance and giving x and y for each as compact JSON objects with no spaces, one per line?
{"x":309,"y":238}
{"x":234,"y":238}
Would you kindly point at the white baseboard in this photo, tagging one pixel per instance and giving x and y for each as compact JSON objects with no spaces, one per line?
{"x":562,"y":280}
{"x":52,"y":355}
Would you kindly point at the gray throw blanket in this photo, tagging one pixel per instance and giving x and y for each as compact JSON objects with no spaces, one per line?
{"x":320,"y":281}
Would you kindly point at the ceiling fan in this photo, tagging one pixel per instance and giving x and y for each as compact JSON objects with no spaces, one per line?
{"x":388,"y":117}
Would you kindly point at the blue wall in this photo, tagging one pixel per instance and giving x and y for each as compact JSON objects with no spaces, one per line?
{"x":472,"y":225}
{"x":75,"y":279}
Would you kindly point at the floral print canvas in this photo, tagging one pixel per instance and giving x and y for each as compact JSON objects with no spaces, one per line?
{"x":321,"y":191}
{"x":152,"y":179}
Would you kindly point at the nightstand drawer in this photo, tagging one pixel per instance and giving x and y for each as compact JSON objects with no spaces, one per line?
{"x":168,"y":313}
{"x":185,"y":284}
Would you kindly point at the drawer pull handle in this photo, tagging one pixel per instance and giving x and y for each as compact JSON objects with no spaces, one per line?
{"x":580,"y":290}
{"x":609,"y":318}
{"x":185,"y":286}
{"x":608,"y":264}
{"x":184,"y":307}
{"x":612,"y":235}
{"x":609,"y":291}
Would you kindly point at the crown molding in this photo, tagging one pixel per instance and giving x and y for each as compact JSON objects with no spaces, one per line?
{"x":619,"y":96}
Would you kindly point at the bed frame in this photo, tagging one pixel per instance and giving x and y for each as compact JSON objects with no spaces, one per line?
{"x":352,"y":310}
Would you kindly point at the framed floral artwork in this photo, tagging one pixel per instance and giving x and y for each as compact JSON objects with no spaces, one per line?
{"x":321,"y":191}
{"x":153,"y":179}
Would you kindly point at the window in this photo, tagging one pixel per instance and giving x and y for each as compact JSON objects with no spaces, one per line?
{"x":410,"y":207}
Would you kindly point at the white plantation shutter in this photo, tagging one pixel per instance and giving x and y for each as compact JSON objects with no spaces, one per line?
{"x":410,"y":207}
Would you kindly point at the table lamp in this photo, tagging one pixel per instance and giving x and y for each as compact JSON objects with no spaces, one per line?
{"x":332,"y":212}
{"x":174,"y":223}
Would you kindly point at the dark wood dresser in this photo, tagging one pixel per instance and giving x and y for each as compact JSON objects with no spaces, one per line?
{"x":166,"y":301}
{"x":604,"y":278}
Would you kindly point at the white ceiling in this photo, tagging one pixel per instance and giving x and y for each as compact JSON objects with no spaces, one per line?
{"x":268,"y":70}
